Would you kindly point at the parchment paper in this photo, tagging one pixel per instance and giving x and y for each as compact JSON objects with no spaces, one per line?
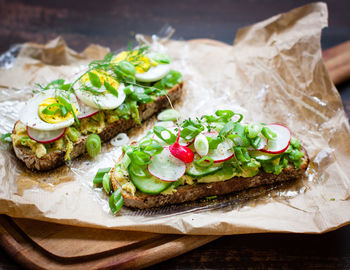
{"x":273,"y":73}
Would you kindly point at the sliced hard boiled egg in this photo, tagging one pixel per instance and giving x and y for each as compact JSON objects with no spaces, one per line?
{"x":141,"y":61}
{"x":155,"y":73}
{"x":160,"y":66}
{"x":45,"y":111}
{"x":105,"y":101}
{"x":150,"y":67}
{"x":107,"y":96}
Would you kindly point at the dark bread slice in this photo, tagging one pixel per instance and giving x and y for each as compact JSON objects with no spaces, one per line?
{"x":187,"y":193}
{"x":55,"y":159}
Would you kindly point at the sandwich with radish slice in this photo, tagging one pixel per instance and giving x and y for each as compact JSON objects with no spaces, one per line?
{"x":223,"y":155}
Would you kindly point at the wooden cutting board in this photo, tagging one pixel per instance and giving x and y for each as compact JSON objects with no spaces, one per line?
{"x":43,"y":245}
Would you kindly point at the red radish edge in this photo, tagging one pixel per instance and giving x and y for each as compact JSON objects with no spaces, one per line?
{"x":279,"y":151}
{"x":166,"y":180}
{"x":222,"y":160}
{"x":88,"y":115}
{"x":49,"y":141}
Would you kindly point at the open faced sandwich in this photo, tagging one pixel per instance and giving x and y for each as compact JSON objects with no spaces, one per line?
{"x":208,"y":156}
{"x":64,"y":120}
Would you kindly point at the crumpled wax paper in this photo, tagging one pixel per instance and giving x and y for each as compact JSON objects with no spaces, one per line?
{"x":273,"y":73}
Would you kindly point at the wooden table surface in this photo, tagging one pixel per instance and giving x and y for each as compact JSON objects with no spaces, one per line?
{"x":111,"y":23}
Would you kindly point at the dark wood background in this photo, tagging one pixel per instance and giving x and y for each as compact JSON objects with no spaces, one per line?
{"x":112,"y":24}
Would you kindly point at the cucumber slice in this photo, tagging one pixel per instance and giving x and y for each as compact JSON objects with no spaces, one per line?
{"x":148,"y":184}
{"x":261,"y":156}
{"x":194,"y":171}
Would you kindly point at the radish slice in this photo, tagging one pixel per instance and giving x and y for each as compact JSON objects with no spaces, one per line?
{"x":281,"y":143}
{"x":86,"y":111}
{"x":224,"y":150}
{"x":166,"y":167}
{"x":44,"y":136}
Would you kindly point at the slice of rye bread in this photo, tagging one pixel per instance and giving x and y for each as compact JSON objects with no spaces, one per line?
{"x":55,"y":159}
{"x":187,"y":193}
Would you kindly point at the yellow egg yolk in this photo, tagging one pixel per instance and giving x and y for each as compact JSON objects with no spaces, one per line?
{"x":103,"y":77}
{"x":141,"y":62}
{"x":49,"y":111}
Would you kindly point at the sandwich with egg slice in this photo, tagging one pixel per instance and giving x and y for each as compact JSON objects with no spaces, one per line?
{"x":203,"y":157}
{"x":64,"y":120}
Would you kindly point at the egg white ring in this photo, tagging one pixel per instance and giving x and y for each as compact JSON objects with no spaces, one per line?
{"x":105,"y":101}
{"x":154,"y":73}
{"x":29,"y":114}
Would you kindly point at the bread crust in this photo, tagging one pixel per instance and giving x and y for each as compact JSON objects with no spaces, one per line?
{"x":56,"y":159}
{"x":187,"y":193}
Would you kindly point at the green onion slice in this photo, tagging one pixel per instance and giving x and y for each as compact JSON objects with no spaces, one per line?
{"x":127,"y":68}
{"x":190,"y":132}
{"x":268,"y":133}
{"x":6,"y":137}
{"x":161,"y":58}
{"x":255,"y":142}
{"x":242,"y":154}
{"x":225,"y":114}
{"x":94,"y":79}
{"x":106,"y":183}
{"x":214,"y":142}
{"x":204,"y":162}
{"x":139,"y":157}
{"x":168,"y":115}
{"x":253,"y":130}
{"x":99,"y":175}
{"x":151,"y":147}
{"x":164,"y":134}
{"x":110,"y":89}
{"x":227,"y":129}
{"x":116,"y":201}
{"x":50,"y":109}
{"x":137,"y":170}
{"x":93,"y":145}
